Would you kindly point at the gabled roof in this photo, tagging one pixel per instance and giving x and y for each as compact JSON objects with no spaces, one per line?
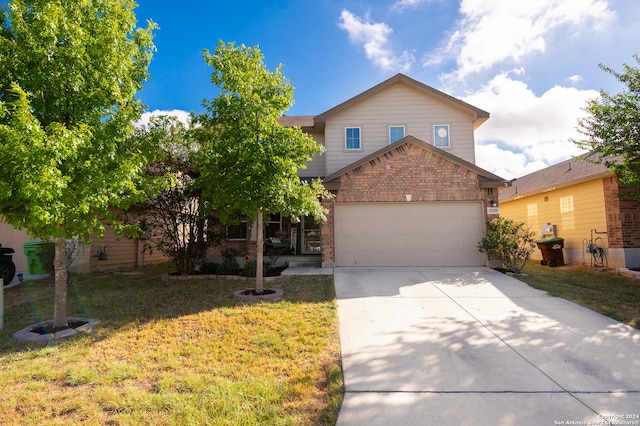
{"x":480,"y":116}
{"x":486,"y":179}
{"x":569,"y":172}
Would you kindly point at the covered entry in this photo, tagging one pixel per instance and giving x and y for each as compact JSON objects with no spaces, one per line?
{"x":408,"y":234}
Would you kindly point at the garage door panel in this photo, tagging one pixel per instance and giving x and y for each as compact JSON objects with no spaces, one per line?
{"x":408,"y":234}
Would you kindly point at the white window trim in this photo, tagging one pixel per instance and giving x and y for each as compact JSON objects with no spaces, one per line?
{"x":448,"y":134}
{"x":345,"y":138}
{"x":404,"y":131}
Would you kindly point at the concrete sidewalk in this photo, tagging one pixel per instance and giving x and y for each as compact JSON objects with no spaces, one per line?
{"x":471,"y":346}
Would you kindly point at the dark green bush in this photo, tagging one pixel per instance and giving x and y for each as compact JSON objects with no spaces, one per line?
{"x":228,"y":267}
{"x":251,"y":268}
{"x":209,"y":268}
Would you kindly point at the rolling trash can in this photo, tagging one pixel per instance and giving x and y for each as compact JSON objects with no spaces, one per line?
{"x":551,"y":249}
{"x":32,"y":250}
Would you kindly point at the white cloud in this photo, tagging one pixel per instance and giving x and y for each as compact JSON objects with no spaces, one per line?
{"x":183,"y":116}
{"x":505,"y":163}
{"x":374,"y":36}
{"x":536,"y":128}
{"x":575,"y":79}
{"x":504,"y":31}
{"x":405,"y":4}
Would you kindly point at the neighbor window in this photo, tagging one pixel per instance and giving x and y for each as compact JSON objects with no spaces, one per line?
{"x":441,"y":137}
{"x":395,"y":133}
{"x":352,"y":138}
{"x":238,"y":229}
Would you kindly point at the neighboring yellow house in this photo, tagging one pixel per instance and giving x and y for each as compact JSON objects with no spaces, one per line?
{"x":575,"y":197}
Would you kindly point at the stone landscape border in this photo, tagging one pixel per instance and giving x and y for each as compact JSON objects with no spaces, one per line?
{"x":170,"y":277}
{"x":29,"y":335}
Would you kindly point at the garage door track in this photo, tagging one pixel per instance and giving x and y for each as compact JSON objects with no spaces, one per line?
{"x":471,"y":346}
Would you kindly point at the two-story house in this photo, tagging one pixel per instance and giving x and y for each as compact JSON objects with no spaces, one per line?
{"x":400,"y":160}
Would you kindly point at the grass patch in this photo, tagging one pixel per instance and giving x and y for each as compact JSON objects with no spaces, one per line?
{"x":177,"y":352}
{"x":608,"y":293}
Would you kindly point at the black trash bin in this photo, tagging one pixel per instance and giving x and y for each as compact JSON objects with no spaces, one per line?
{"x":551,"y":249}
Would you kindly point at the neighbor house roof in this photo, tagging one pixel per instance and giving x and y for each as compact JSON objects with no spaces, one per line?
{"x":296,"y":121}
{"x":486,"y":179}
{"x":570,"y":172}
{"x":480,"y":116}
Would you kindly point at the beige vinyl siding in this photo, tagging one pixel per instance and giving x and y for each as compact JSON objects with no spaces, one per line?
{"x":317,"y":166}
{"x":575,"y":210}
{"x":396,"y":105}
{"x":122,"y":252}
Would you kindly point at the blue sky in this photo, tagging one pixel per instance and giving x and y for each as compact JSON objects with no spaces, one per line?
{"x":531,"y":64}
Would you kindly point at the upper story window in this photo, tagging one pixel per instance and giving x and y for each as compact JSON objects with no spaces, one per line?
{"x":352,"y":138}
{"x":441,"y":136}
{"x":395,"y":133}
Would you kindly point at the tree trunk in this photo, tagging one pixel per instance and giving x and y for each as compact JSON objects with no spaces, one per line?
{"x":60,"y":276}
{"x":260,"y":255}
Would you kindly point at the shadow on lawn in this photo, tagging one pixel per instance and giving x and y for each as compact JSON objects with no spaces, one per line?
{"x":118,"y":299}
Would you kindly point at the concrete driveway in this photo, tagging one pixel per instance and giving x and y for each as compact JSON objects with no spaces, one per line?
{"x":471,"y":346}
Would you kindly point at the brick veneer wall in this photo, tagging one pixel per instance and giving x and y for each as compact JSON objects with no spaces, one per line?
{"x":407,"y":169}
{"x":623,"y":215}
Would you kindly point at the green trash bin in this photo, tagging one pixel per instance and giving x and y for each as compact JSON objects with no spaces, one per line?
{"x":551,"y":249}
{"x":31,"y":250}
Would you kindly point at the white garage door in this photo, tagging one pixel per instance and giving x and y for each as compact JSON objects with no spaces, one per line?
{"x":408,"y":234}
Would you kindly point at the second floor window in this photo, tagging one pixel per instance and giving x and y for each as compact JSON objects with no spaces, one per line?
{"x":395,"y":133}
{"x":441,"y":137}
{"x":352,"y":138}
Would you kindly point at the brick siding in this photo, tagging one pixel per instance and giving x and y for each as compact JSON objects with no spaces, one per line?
{"x":623,"y":215}
{"x":407,"y":169}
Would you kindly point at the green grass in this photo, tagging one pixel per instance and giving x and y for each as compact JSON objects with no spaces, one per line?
{"x":608,"y":293}
{"x":176,"y":352}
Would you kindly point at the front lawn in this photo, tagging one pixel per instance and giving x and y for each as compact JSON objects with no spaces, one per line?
{"x":176,"y":352}
{"x":608,"y":293}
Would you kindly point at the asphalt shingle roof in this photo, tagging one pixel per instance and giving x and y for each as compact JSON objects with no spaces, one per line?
{"x":569,"y":172}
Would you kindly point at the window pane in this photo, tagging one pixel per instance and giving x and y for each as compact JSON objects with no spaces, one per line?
{"x":441,"y":136}
{"x":352,"y":136}
{"x":237,"y":230}
{"x":273,"y":225}
{"x":396,"y":133}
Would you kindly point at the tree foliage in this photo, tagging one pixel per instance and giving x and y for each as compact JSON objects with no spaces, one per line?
{"x":612,"y":127}
{"x":508,"y":241}
{"x":174,"y":221}
{"x":248,"y":162}
{"x":70,"y":71}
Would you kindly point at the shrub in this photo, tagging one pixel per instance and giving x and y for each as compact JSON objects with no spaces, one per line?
{"x":209,"y":268}
{"x":228,"y":267}
{"x":251,"y":268}
{"x":510,"y":242}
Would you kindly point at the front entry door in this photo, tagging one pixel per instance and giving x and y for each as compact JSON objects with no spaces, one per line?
{"x":310,"y":236}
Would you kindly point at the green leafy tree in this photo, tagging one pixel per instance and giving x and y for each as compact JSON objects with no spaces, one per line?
{"x":247,"y":161}
{"x":69,"y":73}
{"x":612,"y":128}
{"x":508,"y":241}
{"x":174,"y":220}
